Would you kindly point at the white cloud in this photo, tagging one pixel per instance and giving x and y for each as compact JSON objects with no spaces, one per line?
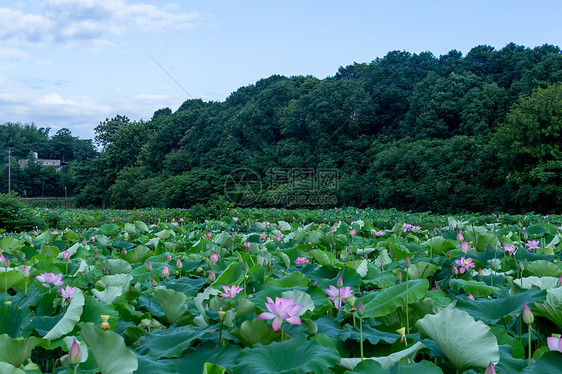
{"x":87,"y":22}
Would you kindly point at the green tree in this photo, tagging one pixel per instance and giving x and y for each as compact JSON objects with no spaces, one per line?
{"x":530,"y":148}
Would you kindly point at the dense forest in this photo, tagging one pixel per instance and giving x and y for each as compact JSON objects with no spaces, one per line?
{"x":453,"y":133}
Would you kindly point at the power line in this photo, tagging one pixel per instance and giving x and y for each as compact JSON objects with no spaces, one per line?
{"x":170,"y":75}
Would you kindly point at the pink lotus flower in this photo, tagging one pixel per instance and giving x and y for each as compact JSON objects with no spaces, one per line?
{"x":230,"y":292}
{"x":380,"y":233}
{"x":209,"y":235}
{"x":465,"y":265}
{"x":277,"y":238}
{"x":212,"y":275}
{"x":408,"y":227}
{"x":353,"y":232}
{"x":460,"y":238}
{"x":66,"y":255}
{"x":338,"y":295}
{"x":248,"y":244}
{"x":214,"y":258}
{"x":68,"y":292}
{"x":281,"y":309}
{"x":533,"y":244}
{"x":5,"y":261}
{"x":235,"y":219}
{"x":509,"y":249}
{"x":301,"y":260}
{"x":179,"y":264}
{"x":47,"y":279}
{"x":465,"y":246}
{"x":554,"y":344}
{"x":471,"y":297}
{"x":263,"y":237}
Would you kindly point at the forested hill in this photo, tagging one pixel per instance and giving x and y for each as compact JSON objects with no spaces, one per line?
{"x":477,"y":132}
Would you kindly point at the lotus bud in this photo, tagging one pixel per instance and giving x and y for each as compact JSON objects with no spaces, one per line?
{"x":454,"y":270}
{"x":521,"y":266}
{"x":407,"y":262}
{"x":264,"y":262}
{"x":124,"y":251}
{"x":360,"y":309}
{"x":464,"y":247}
{"x":207,"y":246}
{"x":179,"y":264}
{"x":382,"y":267}
{"x":480,"y":273}
{"x":75,"y":355}
{"x":25,"y":271}
{"x":154,"y":283}
{"x":528,"y":317}
{"x":351,"y":300}
{"x":66,"y":255}
{"x":168,"y":257}
{"x":460,"y":238}
{"x":209,"y":235}
{"x":148,"y":265}
{"x":339,"y":283}
{"x":221,"y":314}
{"x":399,"y":277}
{"x":244,"y":266}
{"x":559,"y":283}
{"x":165,"y":271}
{"x":526,"y":235}
{"x":212,"y":275}
{"x":214,"y":258}
{"x":277,"y":238}
{"x":490,"y":369}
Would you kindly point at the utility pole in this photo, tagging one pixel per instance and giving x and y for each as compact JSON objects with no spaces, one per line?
{"x":9,"y":169}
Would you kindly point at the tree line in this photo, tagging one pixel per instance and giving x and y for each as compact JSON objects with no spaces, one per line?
{"x":479,"y":132}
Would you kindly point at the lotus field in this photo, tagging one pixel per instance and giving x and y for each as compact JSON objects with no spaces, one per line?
{"x":244,"y":295}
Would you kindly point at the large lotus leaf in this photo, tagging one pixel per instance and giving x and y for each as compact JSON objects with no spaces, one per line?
{"x":322,"y":257}
{"x":9,"y":244}
{"x":119,"y":280}
{"x":480,"y":237}
{"x":232,"y":275}
{"x":542,"y":268}
{"x":139,"y":254}
{"x":118,"y":266}
{"x":12,"y":318}
{"x":188,"y":286}
{"x":543,"y":283}
{"x":466,"y":342}
{"x":173,"y":303}
{"x":552,"y":307}
{"x":371,"y":366}
{"x":506,"y":307}
{"x":293,"y":356}
{"x":301,"y":298}
{"x":390,"y":299}
{"x":472,"y":287}
{"x":108,"y":295}
{"x":16,"y":351}
{"x":374,"y":277}
{"x":550,"y":362}
{"x":6,"y":368}
{"x":386,"y":361}
{"x":204,"y":357}
{"x":70,"y":318}
{"x":169,"y":344}
{"x":371,"y":334}
{"x":295,"y":279}
{"x":109,"y":229}
{"x":109,"y":350}
{"x":421,"y":270}
{"x":255,"y":331}
{"x":93,"y":309}
{"x":439,"y":245}
{"x":14,"y":278}
{"x":508,"y":364}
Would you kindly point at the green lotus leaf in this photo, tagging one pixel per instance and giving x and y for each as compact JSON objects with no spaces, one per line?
{"x":466,"y":343}
{"x":542,"y":268}
{"x":552,"y":307}
{"x":255,"y":331}
{"x":472,"y":287}
{"x":321,"y":257}
{"x":550,"y":362}
{"x":109,"y":229}
{"x":139,"y":254}
{"x":543,"y":283}
{"x":385,"y":361}
{"x":16,"y":351}
{"x":14,"y":278}
{"x":504,"y":308}
{"x":169,"y":344}
{"x":141,"y":226}
{"x":301,"y":298}
{"x":204,"y":356}
{"x":508,"y":364}
{"x":118,"y":266}
{"x":108,"y":295}
{"x":371,"y":366}
{"x":173,"y":303}
{"x":388,"y":300}
{"x":6,"y":368}
{"x":371,"y":334}
{"x":232,"y":275}
{"x":421,"y":270}
{"x":109,"y":350}
{"x":70,"y":318}
{"x":439,"y":245}
{"x":12,"y":318}
{"x":295,"y":356}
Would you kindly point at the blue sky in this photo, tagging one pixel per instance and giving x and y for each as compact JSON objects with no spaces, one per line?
{"x":73,"y":63}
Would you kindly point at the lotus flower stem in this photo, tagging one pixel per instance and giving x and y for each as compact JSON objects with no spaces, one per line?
{"x":6,"y":287}
{"x":529,"y":330}
{"x":361,"y":337}
{"x":149,"y":289}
